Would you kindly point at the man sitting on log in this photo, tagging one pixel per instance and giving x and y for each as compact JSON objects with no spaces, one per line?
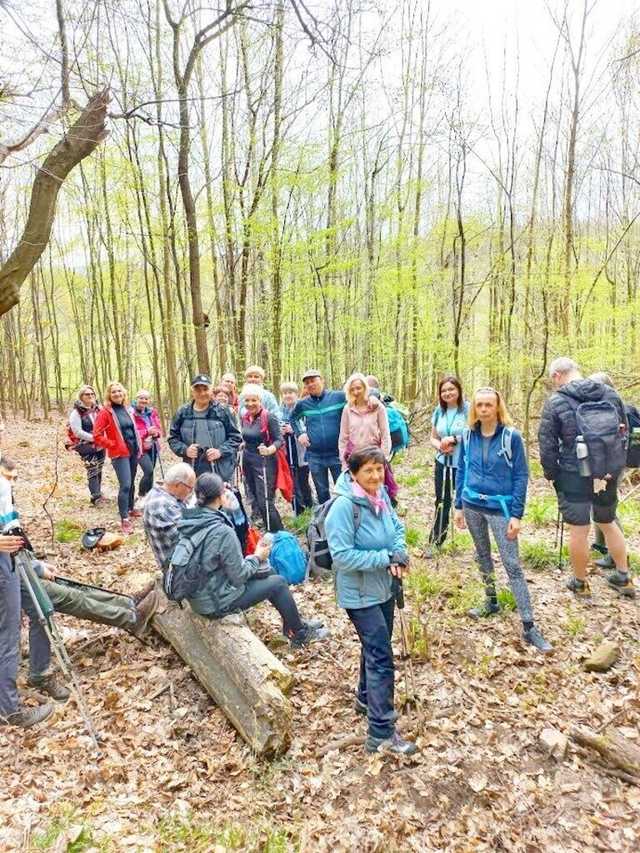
{"x":163,"y":509}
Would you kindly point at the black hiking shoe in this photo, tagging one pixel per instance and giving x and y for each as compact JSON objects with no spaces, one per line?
{"x":606,"y":562}
{"x":489,"y":608}
{"x":50,"y":685}
{"x":580,"y":589}
{"x":362,"y":709}
{"x":622,"y":584}
{"x":27,"y":717}
{"x":534,"y":638}
{"x":394,"y":744}
{"x":307,"y":635}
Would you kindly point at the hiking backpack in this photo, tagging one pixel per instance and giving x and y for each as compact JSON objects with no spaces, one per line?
{"x":598,"y":421}
{"x":287,"y":557}
{"x":502,"y":502}
{"x":183,"y":578}
{"x":633,"y":448}
{"x":398,"y":428}
{"x":319,"y":555}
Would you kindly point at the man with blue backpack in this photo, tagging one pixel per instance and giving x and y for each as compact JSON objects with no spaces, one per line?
{"x":583,"y":439}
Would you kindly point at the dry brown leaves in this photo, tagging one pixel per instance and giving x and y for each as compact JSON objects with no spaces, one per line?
{"x":480,"y":782}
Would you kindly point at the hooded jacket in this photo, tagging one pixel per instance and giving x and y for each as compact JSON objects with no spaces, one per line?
{"x":225,"y":570}
{"x":496,"y":476}
{"x":363,"y":429}
{"x":223,"y":432}
{"x":145,"y":419}
{"x":361,"y":557}
{"x":107,"y":434}
{"x":558,"y":428}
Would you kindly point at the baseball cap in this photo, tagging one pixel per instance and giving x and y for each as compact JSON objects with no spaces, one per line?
{"x":309,"y":374}
{"x":201,"y":379}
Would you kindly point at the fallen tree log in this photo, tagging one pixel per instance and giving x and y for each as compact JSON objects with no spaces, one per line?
{"x":236,"y":669}
{"x":612,"y":747}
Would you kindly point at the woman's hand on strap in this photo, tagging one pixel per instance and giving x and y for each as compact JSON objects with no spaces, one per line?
{"x":513,"y":528}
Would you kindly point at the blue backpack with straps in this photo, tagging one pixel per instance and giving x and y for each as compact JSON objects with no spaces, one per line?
{"x":501,"y":502}
{"x":287,"y":557}
{"x":398,"y":428}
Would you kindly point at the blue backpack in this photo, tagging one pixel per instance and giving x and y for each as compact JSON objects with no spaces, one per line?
{"x":287,"y":557}
{"x":398,"y":428}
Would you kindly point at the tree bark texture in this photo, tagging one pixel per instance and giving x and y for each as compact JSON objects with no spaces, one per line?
{"x":82,"y":138}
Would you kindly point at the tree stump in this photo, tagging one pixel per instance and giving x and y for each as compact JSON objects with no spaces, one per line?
{"x":236,"y":669}
{"x":612,"y":747}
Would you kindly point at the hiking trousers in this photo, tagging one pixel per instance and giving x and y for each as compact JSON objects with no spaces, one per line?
{"x":9,"y":636}
{"x":276,"y":590}
{"x":93,"y":460}
{"x":147,"y":464}
{"x":479,"y":523}
{"x":445,"y":490}
{"x":320,"y":476}
{"x":374,"y":626}
{"x":83,"y":602}
{"x":255,"y":467}
{"x":125,"y":468}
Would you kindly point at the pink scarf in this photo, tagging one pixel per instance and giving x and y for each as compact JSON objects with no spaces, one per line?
{"x":378,"y":503}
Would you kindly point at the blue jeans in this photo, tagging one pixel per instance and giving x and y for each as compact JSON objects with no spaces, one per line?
{"x":320,"y":476}
{"x":375,"y":688}
{"x":276,"y":590}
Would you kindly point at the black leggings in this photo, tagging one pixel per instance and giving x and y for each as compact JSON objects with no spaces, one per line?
{"x":147,"y":464}
{"x":445,"y":490}
{"x":125,"y":468}
{"x":254,"y":467}
{"x":276,"y":590}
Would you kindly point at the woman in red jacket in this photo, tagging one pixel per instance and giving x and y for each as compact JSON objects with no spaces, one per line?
{"x":115,"y":430}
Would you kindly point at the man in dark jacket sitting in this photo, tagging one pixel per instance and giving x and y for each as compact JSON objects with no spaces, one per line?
{"x":204,"y":434}
{"x":581,"y":496}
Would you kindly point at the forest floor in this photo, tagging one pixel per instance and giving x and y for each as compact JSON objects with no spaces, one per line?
{"x":174,"y":775}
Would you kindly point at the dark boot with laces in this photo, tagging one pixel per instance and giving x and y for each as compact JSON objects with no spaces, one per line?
{"x":533,"y":637}
{"x":394,"y":744}
{"x":27,"y":717}
{"x":307,"y":635}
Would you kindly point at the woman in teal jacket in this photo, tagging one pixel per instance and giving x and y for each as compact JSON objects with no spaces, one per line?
{"x":367,"y":544}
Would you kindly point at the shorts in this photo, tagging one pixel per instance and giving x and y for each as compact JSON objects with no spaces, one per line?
{"x":577,"y":501}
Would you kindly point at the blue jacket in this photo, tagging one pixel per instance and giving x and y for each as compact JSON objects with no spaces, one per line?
{"x":322,"y":423}
{"x":496,"y":477}
{"x":361,"y":557}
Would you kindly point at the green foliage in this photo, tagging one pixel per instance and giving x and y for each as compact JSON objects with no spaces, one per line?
{"x":189,"y":834}
{"x":535,"y":469}
{"x":418,"y":639}
{"x":414,"y":537}
{"x":457,"y":544}
{"x":575,"y":625}
{"x":539,"y":556}
{"x":411,"y":479}
{"x":298,"y":524}
{"x":67,"y":530}
{"x":424,"y":585}
{"x":540,"y":510}
{"x":506,"y":599}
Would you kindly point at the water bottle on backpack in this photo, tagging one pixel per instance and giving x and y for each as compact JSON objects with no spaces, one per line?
{"x":582,"y":452}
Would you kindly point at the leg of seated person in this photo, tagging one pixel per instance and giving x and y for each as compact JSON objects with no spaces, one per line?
{"x":96,"y":605}
{"x":276,"y":590}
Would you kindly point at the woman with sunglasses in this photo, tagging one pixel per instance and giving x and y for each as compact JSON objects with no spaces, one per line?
{"x":81,"y":422}
{"x":491,"y":492}
{"x":447,"y":425}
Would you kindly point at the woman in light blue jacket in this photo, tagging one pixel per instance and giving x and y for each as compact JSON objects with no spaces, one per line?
{"x":367,"y":544}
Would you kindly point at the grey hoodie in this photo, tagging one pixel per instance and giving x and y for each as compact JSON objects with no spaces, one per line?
{"x":221,"y":560}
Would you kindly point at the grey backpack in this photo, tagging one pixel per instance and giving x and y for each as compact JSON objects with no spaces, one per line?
{"x":319,"y":555}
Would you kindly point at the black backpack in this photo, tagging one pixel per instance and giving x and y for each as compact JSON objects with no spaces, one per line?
{"x":633,"y":448}
{"x":183,"y":578}
{"x":599,"y":423}
{"x":319,"y":554}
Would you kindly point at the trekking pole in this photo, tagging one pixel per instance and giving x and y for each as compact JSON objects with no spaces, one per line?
{"x":560,"y":554}
{"x":157,"y":444}
{"x":294,"y":470}
{"x":44,"y":610}
{"x":555,"y":544}
{"x":407,"y":663}
{"x":266,"y":495}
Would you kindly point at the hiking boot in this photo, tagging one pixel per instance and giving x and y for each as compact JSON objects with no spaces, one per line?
{"x":97,"y":500}
{"x":394,"y":744}
{"x":622,"y":584}
{"x":126,"y":526}
{"x":307,"y":635}
{"x":27,"y":717}
{"x":360,"y":708}
{"x":606,"y":562}
{"x":144,"y":611}
{"x":580,"y":589}
{"x":489,"y":608}
{"x":143,"y":593}
{"x":50,"y":685}
{"x":534,"y":638}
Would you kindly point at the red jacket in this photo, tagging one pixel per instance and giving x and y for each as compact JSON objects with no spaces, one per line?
{"x":144,"y":420}
{"x":107,"y":434}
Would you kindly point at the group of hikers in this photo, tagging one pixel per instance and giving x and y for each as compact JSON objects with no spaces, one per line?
{"x":481,"y":471}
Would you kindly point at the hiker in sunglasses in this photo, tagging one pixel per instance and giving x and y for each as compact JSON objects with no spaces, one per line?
{"x":491,"y":491}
